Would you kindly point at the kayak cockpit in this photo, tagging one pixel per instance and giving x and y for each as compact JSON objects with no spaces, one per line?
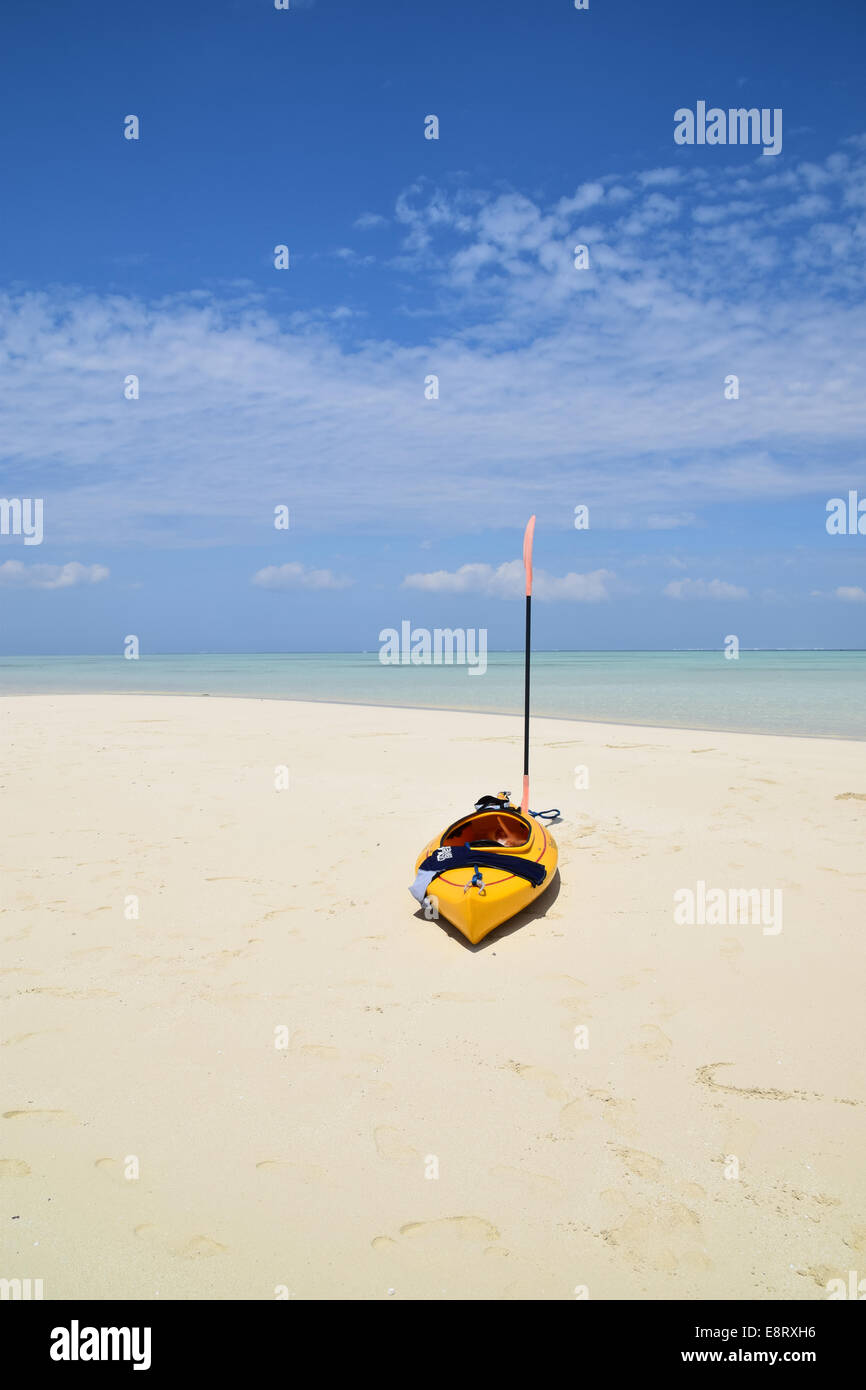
{"x":506,"y":828}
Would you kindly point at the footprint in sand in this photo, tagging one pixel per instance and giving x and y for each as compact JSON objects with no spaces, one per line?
{"x":666,"y":1236}
{"x":739,"y":1138}
{"x":24,"y":1037}
{"x":576,"y":1008}
{"x":442,"y":1233}
{"x":617,"y":1204}
{"x":857,"y":1239}
{"x":538,"y":1183}
{"x":619,"y":1113}
{"x":59,"y":1117}
{"x":192,"y":1248}
{"x":642,"y":1165}
{"x":809,"y":1205}
{"x":391,"y":1146}
{"x":537,"y":1076}
{"x":18,"y":936}
{"x":473,"y":1228}
{"x":669,"y":1008}
{"x":819,"y":1274}
{"x":225,"y":956}
{"x":731,"y":947}
{"x":656,"y":1046}
{"x":575,"y":1115}
{"x":581,"y":1113}
{"x":199,"y":1245}
{"x":14,"y":1168}
{"x":287,"y":1167}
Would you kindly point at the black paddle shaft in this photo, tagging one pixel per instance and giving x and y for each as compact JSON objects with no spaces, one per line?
{"x":526,"y":690}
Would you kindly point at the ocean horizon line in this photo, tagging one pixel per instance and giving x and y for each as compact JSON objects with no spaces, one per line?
{"x":367,"y":651}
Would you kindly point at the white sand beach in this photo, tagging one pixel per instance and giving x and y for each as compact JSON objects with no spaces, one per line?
{"x":148,"y":1044}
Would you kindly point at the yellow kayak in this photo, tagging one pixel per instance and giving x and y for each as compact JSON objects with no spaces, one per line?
{"x":485,"y":867}
{"x":499,"y":859}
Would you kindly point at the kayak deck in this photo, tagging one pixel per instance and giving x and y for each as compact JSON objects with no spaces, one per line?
{"x":474,"y":908}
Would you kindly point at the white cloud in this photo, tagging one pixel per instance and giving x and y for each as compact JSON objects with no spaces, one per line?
{"x":810,"y":206}
{"x":615,"y":374}
{"x":368,"y":220}
{"x":586,"y":197}
{"x":721,"y":212}
{"x":660,"y":178}
{"x":508,"y":581}
{"x":576,"y":588}
{"x":297,"y":576}
{"x":851,"y":593}
{"x":15,"y":573}
{"x":655,"y":211}
{"x":704,"y":589}
{"x":502,"y":582}
{"x":350,"y":256}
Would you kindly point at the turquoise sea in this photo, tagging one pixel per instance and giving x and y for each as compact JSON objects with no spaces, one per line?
{"x":821,"y":694}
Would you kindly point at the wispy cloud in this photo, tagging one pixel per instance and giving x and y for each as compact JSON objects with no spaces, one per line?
{"x":297,"y":576}
{"x":851,"y":593}
{"x":703,"y":589}
{"x":607,"y":383}
{"x":16,"y":574}
{"x":508,"y":581}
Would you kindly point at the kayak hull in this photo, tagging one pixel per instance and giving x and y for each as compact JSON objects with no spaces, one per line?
{"x":476,"y":912}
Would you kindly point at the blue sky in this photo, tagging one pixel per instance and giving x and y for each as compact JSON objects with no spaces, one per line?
{"x":412,"y":257}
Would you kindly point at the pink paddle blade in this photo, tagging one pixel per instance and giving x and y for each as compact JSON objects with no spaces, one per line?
{"x":528,"y":536}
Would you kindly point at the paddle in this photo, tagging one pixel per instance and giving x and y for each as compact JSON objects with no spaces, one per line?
{"x":527,"y":565}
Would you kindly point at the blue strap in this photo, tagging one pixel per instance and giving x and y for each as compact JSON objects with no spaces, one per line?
{"x":465,"y":857}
